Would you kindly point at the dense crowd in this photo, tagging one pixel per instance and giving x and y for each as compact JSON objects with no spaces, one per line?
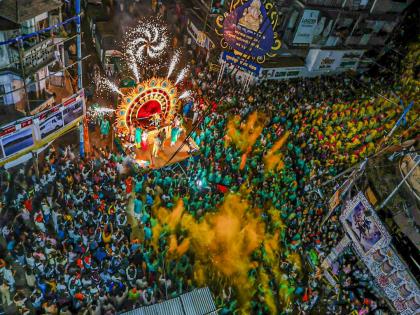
{"x":78,"y":234}
{"x":69,"y":237}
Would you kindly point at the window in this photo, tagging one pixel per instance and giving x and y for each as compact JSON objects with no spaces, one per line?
{"x":2,"y":96}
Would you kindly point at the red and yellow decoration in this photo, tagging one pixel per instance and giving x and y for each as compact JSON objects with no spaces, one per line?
{"x":154,"y":99}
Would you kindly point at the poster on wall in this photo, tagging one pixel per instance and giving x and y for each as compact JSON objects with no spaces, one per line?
{"x":305,"y":30}
{"x":50,"y":121}
{"x":17,"y":141}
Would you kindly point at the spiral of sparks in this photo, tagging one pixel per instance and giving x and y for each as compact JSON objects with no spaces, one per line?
{"x":148,"y":40}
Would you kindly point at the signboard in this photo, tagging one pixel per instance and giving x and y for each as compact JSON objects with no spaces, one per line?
{"x":248,"y":30}
{"x":282,"y":73}
{"x":21,"y":137}
{"x":17,"y":141}
{"x":241,"y":63}
{"x":364,"y":226}
{"x":72,"y":111}
{"x":333,"y":60}
{"x":50,"y":121}
{"x":373,"y":244}
{"x":305,"y":30}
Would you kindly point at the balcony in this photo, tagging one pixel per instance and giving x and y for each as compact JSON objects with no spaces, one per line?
{"x":352,"y":5}
{"x":36,"y":55}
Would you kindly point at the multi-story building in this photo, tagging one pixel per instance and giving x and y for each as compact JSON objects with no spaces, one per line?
{"x":322,"y":36}
{"x":27,"y":65}
{"x":333,"y":35}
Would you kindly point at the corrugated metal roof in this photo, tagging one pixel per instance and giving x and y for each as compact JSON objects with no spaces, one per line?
{"x":196,"y":302}
{"x":19,"y":11}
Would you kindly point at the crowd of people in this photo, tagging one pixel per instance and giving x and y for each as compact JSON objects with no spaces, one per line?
{"x":78,"y":234}
{"x":69,"y":241}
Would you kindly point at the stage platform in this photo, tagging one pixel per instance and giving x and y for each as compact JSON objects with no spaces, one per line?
{"x":166,"y":153}
{"x":146,"y":155}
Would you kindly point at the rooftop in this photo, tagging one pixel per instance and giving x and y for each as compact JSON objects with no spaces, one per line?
{"x":19,"y":11}
{"x":6,"y":25}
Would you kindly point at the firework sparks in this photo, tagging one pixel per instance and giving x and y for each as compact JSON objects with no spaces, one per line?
{"x":147,"y":40}
{"x":100,"y":111}
{"x":104,"y":110}
{"x":184,"y":95}
{"x":132,"y":63}
{"x":181,"y":75}
{"x":174,"y":62}
{"x":105,"y":84}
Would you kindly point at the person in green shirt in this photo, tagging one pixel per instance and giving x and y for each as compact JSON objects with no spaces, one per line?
{"x":137,"y":137}
{"x":105,"y":128}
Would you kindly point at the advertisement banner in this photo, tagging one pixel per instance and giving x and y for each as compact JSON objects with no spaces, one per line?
{"x":373,"y":244}
{"x":73,"y":110}
{"x":241,"y":63}
{"x":17,"y":141}
{"x":305,"y":31}
{"x":332,"y":60}
{"x":20,"y":137}
{"x":50,"y":121}
{"x":248,"y":30}
{"x":281,"y":73}
{"x":363,"y":226}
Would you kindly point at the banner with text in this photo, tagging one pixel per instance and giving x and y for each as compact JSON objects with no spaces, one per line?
{"x":241,"y":63}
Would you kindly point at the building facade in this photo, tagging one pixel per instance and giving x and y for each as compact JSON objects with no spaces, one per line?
{"x":27,"y":65}
{"x":329,"y":36}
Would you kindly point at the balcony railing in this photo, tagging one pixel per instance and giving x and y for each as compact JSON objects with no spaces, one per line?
{"x":35,"y":56}
{"x":353,"y":5}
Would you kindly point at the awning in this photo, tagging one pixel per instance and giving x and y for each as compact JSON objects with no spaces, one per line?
{"x":196,"y":302}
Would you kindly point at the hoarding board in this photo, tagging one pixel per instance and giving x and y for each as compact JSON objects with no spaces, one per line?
{"x":50,"y":121}
{"x":305,"y":30}
{"x":372,"y":243}
{"x":363,"y":226}
{"x":73,"y":111}
{"x":18,"y":141}
{"x":20,"y":137}
{"x":248,"y":30}
{"x":332,"y":60}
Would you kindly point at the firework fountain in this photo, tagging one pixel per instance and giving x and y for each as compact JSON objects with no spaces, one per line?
{"x":153,"y":104}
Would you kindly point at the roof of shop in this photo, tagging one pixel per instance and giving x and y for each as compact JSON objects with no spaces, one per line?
{"x":196,"y":302}
{"x":19,"y":11}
